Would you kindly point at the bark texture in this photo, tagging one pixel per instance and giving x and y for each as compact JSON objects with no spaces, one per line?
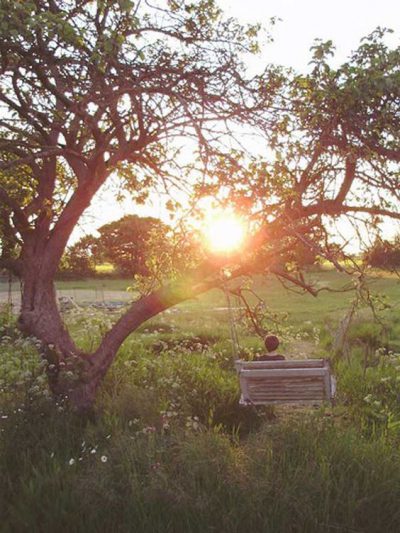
{"x":73,"y":374}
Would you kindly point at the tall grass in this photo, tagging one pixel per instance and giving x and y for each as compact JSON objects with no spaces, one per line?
{"x":306,"y":474}
{"x":171,"y":450}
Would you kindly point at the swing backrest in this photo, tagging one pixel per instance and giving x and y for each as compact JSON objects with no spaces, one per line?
{"x":295,"y":381}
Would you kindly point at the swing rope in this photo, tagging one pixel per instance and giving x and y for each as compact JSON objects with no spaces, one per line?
{"x":9,"y":299}
{"x":234,"y":335}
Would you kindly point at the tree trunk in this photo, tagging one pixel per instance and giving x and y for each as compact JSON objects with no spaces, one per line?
{"x":70,"y":372}
{"x":39,"y":314}
{"x":40,"y":318}
{"x":74,"y":375}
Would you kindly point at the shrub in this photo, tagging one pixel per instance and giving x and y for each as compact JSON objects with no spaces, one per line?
{"x":384,"y":254}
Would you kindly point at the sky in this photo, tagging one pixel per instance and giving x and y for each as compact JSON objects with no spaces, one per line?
{"x":345,"y":22}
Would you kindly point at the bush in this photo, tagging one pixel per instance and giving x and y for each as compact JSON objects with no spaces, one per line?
{"x":384,"y":254}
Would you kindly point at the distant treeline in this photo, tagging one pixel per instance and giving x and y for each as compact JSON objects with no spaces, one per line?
{"x":128,"y":244}
{"x":125,"y":244}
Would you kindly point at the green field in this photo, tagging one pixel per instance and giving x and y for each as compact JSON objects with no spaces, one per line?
{"x":299,"y":305}
{"x":171,"y":450}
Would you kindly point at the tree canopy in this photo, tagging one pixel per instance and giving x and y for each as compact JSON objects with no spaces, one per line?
{"x":93,"y":88}
{"x":127,"y":244}
{"x":384,"y":254}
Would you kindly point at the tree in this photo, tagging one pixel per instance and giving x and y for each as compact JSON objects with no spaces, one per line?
{"x":384,"y":254}
{"x":80,"y":259}
{"x":89,"y":89}
{"x":93,"y":88}
{"x":125,"y":243}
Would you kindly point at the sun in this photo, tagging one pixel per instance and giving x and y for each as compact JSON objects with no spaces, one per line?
{"x":224,"y":232}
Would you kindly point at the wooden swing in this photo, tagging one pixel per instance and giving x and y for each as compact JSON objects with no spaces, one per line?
{"x":307,"y":381}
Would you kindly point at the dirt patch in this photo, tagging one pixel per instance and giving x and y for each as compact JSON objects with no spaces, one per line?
{"x":79,"y":296}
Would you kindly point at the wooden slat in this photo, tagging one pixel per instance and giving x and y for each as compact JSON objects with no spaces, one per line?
{"x":294,"y":363}
{"x":299,"y":387}
{"x":328,"y":382}
{"x":284,"y":372}
{"x":285,"y":389}
{"x":267,"y":375}
{"x":284,"y":399}
{"x":293,"y":394}
{"x":277,"y":382}
{"x":261,"y":390}
{"x":314,"y":401}
{"x":289,"y":386}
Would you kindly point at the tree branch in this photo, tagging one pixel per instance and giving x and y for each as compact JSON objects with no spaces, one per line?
{"x":21,"y":221}
{"x":350,"y":173}
{"x":144,"y":309}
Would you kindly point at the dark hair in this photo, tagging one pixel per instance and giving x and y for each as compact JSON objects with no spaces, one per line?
{"x":271,"y":342}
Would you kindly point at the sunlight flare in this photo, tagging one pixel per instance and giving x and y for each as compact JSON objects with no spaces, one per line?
{"x":224,"y":232}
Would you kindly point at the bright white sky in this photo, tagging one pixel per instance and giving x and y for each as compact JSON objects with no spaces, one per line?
{"x":345,"y":22}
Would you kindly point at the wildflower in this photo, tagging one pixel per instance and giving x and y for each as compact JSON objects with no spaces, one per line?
{"x":71,"y":462}
{"x":103,"y":458}
{"x":93,"y":451}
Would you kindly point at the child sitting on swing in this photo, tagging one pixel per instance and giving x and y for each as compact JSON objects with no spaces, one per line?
{"x":271,"y":344}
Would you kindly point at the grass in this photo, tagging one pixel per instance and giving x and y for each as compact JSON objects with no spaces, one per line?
{"x":105,"y":268}
{"x":171,"y":449}
{"x":300,"y":307}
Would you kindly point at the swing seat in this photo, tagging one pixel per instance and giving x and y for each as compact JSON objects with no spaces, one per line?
{"x":306,"y":381}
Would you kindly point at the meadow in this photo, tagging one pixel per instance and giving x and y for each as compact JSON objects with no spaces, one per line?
{"x":169,"y":448}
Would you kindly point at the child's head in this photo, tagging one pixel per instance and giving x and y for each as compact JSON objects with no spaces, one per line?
{"x":271,"y":342}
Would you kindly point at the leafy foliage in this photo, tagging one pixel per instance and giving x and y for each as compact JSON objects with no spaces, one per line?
{"x":109,"y":86}
{"x":80,"y":259}
{"x":126,"y":243}
{"x":384,"y":254}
